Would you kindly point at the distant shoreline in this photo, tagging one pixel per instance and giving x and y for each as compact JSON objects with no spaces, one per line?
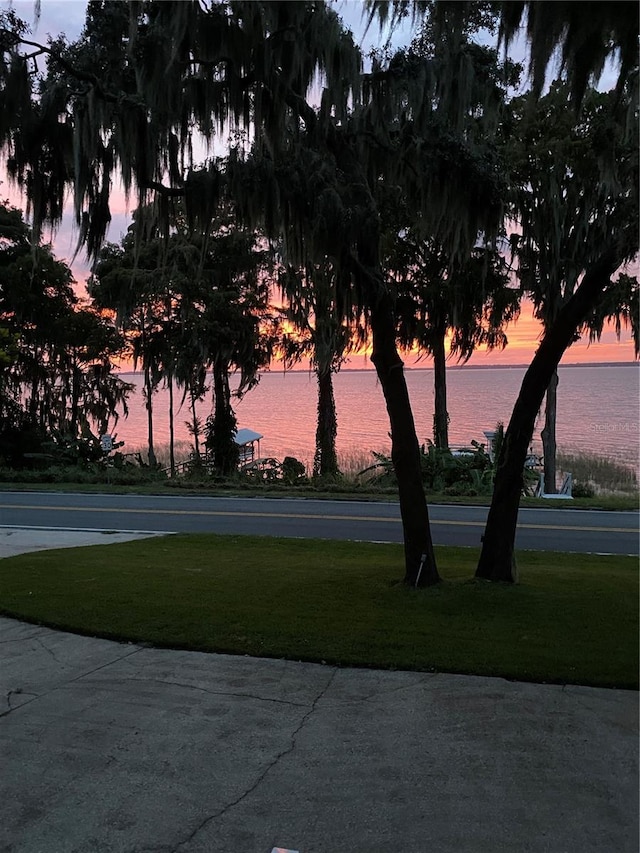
{"x":525,"y":366}
{"x":449,"y":367}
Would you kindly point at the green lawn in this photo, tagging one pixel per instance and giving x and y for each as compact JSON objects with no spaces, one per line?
{"x":571,"y":618}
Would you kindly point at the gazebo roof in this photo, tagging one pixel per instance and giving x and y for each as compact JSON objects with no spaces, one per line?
{"x":247,"y":436}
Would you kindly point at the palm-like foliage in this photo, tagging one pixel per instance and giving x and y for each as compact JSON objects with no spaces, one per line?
{"x":470,"y":302}
{"x":190,"y":303}
{"x":323,"y":336}
{"x":124,"y":281}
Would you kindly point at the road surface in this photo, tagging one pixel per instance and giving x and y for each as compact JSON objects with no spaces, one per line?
{"x":553,"y":529}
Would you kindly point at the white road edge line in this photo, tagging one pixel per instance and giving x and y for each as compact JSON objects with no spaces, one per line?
{"x":106,"y":530}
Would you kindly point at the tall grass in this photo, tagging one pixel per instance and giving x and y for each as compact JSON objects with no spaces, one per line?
{"x":354,"y":460}
{"x":351,"y":461}
{"x":182,"y":451}
{"x":602,"y":473}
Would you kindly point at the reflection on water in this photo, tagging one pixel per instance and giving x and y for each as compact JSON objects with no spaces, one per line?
{"x":597,"y":410}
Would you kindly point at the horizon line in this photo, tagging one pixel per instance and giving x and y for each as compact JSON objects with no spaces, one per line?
{"x":372,"y":369}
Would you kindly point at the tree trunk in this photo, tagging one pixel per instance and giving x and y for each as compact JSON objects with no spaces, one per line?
{"x":441,"y":415}
{"x":33,"y":402}
{"x":75,"y":397}
{"x":420,"y":561}
{"x":224,"y":450}
{"x":548,"y":436}
{"x":195,"y":427}
{"x":325,"y":461}
{"x":172,"y":455}
{"x":497,"y":559}
{"x":148,"y":393}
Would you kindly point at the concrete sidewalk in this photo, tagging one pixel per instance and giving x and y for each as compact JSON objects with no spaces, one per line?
{"x":112,"y":747}
{"x":23,"y":540}
{"x":115,"y":748}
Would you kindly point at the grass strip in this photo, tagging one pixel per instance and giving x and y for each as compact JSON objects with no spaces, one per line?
{"x":321,"y":491}
{"x":571,"y":619}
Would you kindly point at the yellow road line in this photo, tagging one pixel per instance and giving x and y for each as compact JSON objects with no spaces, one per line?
{"x":310,"y":517}
{"x":208,"y":512}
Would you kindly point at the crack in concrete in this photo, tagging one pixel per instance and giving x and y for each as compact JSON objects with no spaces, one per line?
{"x":11,"y":708}
{"x":217,"y":692}
{"x":19,"y":692}
{"x":8,"y":697}
{"x":278,"y":758}
{"x":20,"y":639}
{"x":59,"y":686}
{"x":105,"y":665}
{"x":375,"y":693}
{"x":49,"y":651}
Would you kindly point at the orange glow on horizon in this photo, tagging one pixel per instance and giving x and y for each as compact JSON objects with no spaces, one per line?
{"x":523,"y":340}
{"x":523,"y":335}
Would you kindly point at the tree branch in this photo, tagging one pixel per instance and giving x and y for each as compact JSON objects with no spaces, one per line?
{"x":84,"y":76}
{"x":300,"y":105}
{"x":170,"y":192}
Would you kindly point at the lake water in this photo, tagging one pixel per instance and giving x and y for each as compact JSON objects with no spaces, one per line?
{"x":598,"y":410}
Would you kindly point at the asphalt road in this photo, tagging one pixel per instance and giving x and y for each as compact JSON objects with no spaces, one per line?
{"x":552,"y":529}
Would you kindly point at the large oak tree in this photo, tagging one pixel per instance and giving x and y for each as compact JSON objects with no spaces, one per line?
{"x":180,"y":72}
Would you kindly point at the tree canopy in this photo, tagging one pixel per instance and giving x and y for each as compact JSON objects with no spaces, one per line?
{"x":315,"y":146}
{"x":57,"y":382}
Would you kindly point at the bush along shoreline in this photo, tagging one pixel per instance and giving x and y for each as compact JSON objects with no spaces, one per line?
{"x":463,"y":473}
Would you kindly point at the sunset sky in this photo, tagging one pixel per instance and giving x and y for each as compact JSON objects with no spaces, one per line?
{"x":68,"y":16}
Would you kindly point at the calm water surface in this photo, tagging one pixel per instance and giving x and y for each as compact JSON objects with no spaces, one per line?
{"x":598,"y":410}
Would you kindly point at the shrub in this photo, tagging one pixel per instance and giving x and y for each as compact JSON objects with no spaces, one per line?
{"x":466,"y":472}
{"x":20,"y":443}
{"x":90,"y":474}
{"x":583,"y":490}
{"x":293,"y":469}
